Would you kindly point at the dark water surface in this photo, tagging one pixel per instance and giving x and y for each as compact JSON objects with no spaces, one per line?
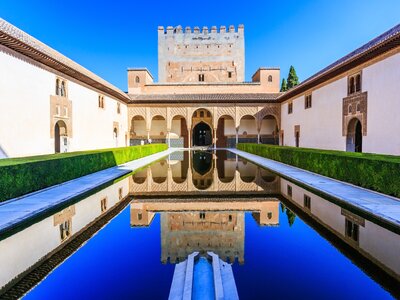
{"x":284,"y":242}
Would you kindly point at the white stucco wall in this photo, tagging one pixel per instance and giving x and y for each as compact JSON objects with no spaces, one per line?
{"x":320,"y":125}
{"x":381,"y":81}
{"x":25,"y":90}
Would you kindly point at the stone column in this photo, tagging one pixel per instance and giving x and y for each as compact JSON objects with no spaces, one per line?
{"x":169,"y":139}
{"x":258,"y":137}
{"x":237,"y":136}
{"x":189,"y":139}
{"x":215,"y":138}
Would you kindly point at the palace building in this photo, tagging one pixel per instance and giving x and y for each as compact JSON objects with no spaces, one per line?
{"x":49,"y":103}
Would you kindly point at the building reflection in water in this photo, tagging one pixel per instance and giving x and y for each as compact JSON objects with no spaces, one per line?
{"x":213,"y":225}
{"x":209,"y":215}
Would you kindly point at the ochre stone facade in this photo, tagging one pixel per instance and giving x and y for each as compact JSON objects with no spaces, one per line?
{"x":200,"y":56}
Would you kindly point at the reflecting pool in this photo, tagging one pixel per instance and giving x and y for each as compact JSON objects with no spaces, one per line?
{"x":124,"y":241}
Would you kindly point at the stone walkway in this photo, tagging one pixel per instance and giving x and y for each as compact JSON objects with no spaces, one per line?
{"x":16,"y":211}
{"x":379,"y":206}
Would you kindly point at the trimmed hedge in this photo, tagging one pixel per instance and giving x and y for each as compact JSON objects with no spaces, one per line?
{"x":372,"y":171}
{"x":19,"y":176}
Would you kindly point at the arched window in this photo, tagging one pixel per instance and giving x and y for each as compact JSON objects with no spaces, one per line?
{"x":351,"y":85}
{"x":358,"y":107}
{"x":270,"y":78}
{"x":202,"y":114}
{"x":137,"y":79}
{"x":350,"y":109}
{"x":58,"y":86}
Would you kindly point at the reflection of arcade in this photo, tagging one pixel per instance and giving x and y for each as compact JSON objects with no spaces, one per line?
{"x":212,"y":225}
{"x":206,"y":171}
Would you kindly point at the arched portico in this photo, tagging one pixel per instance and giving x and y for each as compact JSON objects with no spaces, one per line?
{"x":226,"y":132}
{"x":269,"y":130}
{"x":247,"y":130}
{"x":178,"y":134}
{"x":158,"y":130}
{"x":138,"y":132}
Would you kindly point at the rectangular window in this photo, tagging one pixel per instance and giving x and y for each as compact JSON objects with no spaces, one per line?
{"x":352,"y":230}
{"x":307,"y":201}
{"x":118,"y":108}
{"x":103,"y":204}
{"x":289,"y":190}
{"x":290,"y":108}
{"x":201,"y":77}
{"x":229,"y":74}
{"x":307,"y":101}
{"x":120,"y":193}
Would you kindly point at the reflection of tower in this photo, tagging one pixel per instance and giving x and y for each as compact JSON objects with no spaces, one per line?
{"x":184,"y":233}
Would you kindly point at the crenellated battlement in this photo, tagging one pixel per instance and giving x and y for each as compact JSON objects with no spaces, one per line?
{"x":206,"y":54}
{"x":204,"y":30}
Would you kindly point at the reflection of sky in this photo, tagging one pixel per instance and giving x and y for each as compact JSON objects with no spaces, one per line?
{"x":296,"y":263}
{"x":119,"y":262}
{"x":282,"y":262}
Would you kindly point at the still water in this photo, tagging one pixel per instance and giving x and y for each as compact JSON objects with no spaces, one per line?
{"x":123,"y":242}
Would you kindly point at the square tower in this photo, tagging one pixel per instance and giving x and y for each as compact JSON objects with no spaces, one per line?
{"x":200,"y":56}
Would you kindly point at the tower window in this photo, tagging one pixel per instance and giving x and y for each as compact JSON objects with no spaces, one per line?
{"x":137,"y":79}
{"x":229,"y":74}
{"x":270,"y":78}
{"x":201,"y":77}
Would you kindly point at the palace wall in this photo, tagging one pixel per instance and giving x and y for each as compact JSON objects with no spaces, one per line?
{"x":326,"y":125}
{"x":30,"y":110}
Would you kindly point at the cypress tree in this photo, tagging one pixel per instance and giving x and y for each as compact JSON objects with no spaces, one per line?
{"x":283,"y":85}
{"x":292,"y":79}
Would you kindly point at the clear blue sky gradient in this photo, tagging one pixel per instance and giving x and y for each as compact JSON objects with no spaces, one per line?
{"x":110,"y":36}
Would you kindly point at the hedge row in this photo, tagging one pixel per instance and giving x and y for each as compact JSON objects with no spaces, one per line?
{"x":19,"y":176}
{"x":372,"y":171}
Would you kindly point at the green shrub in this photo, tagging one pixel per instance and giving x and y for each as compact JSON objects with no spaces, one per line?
{"x":373,"y":171}
{"x":19,"y":176}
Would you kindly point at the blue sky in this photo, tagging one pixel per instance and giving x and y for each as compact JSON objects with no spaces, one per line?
{"x":108,"y":37}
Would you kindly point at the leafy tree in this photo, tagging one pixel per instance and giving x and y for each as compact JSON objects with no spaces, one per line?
{"x":290,"y":216}
{"x":283,"y":85}
{"x":292,"y":79}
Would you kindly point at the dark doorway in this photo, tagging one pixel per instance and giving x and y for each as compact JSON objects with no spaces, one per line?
{"x":297,"y":138}
{"x":60,"y":136}
{"x":354,"y":136}
{"x":202,"y":135}
{"x":358,"y":137}
{"x":57,"y":139}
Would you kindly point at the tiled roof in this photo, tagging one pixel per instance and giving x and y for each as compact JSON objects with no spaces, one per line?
{"x":18,"y":40}
{"x":379,"y":45}
{"x":206,"y":98}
